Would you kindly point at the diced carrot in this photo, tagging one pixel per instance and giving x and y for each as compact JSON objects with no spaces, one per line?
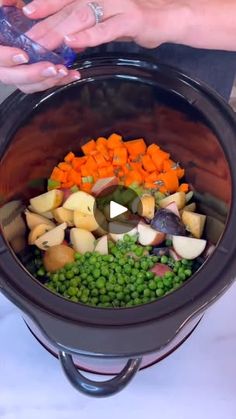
{"x":152,"y":149}
{"x":64,"y":166}
{"x":152,"y":177}
{"x":57,"y":174}
{"x":85,"y":171}
{"x":100,"y":160}
{"x":104,"y":151}
{"x":170,"y":180}
{"x":91,"y":163}
{"x":179,"y":172}
{"x":133,"y":177}
{"x":86,"y":187}
{"x":150,"y":185}
{"x":106,"y":171}
{"x":74,"y":177}
{"x":111,"y":154}
{"x":114,"y":141}
{"x":88,"y":147}
{"x":184,"y":187}
{"x":136,"y":147}
{"x":67,"y":185}
{"x":101,"y":141}
{"x":168,"y":164}
{"x":69,"y":157}
{"x":148,"y":163}
{"x":120,"y":156}
{"x":78,"y":162}
{"x":136,"y":166}
{"x":158,"y":159}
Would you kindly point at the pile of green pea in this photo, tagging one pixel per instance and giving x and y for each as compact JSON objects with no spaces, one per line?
{"x":123,"y":278}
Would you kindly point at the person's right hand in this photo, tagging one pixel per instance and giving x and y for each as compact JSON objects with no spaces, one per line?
{"x":30,"y":78}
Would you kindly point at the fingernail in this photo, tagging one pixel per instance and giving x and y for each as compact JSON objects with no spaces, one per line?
{"x":76,"y":76}
{"x":69,"y":38}
{"x":29,"y":9}
{"x":62,"y":72}
{"x":19,"y":59}
{"x":49,"y":72}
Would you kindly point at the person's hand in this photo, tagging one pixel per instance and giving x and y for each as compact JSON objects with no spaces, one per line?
{"x":149,"y":23}
{"x":14,"y":69}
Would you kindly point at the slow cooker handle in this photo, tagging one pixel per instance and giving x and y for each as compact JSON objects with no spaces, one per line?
{"x":98,"y":388}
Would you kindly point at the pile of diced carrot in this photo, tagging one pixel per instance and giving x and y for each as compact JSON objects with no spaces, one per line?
{"x":132,"y":162}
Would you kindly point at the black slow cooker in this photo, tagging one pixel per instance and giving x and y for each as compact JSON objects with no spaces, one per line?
{"x":138,"y":98}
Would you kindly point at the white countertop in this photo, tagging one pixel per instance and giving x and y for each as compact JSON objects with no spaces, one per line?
{"x":198,"y":381}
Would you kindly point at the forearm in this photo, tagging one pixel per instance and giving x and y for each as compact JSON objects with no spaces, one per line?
{"x":210,"y":24}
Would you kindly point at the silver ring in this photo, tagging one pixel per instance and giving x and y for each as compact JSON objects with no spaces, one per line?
{"x":97,"y":10}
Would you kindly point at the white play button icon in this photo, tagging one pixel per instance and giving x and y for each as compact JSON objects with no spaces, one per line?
{"x":116,"y":209}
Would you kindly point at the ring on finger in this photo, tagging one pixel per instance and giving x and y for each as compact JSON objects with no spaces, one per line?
{"x":98,"y":11}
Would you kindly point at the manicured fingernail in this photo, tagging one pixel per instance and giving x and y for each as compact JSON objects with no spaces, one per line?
{"x":49,"y":72}
{"x":69,"y":38}
{"x":76,"y":76}
{"x":19,"y":59}
{"x":62,"y":72}
{"x":29,"y":9}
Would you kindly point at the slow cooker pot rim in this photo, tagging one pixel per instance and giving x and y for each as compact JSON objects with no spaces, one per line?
{"x":195,"y":93}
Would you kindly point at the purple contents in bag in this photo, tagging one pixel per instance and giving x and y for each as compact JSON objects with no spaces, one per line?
{"x":13,"y":26}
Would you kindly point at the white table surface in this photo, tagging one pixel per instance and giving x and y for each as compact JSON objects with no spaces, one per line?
{"x":197,"y":381}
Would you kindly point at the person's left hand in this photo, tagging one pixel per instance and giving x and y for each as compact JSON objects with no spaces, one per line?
{"x":149,"y":23}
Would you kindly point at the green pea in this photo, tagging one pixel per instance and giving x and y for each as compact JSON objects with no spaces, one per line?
{"x":109,"y":286}
{"x":167,"y":282}
{"x":78,"y":256}
{"x":69,"y":274}
{"x":62,"y":288}
{"x":84,"y":298}
{"x":72,"y":291}
{"x":105,"y":272}
{"x":137,"y":301}
{"x":120,"y":296}
{"x":75,"y":270}
{"x":104,"y":298}
{"x":94,"y":292}
{"x":134,"y":294}
{"x":127,"y":298}
{"x":74,"y":282}
{"x":164,"y":259}
{"x":160,"y":284}
{"x":139,"y":251}
{"x":159,"y":292}
{"x":139,"y":281}
{"x":152,"y":284}
{"x":102,"y":291}
{"x":41,"y":272}
{"x":62,"y":277}
{"x":96,"y":273}
{"x":117,"y":288}
{"x":74,"y":299}
{"x":131,"y":262}
{"x":94,"y":301}
{"x":121,"y":281}
{"x":147,"y":292}
{"x":112,"y":295}
{"x":83,"y":275}
{"x":150,"y":275}
{"x":168,"y":243}
{"x":188,"y":272}
{"x":144,"y":265}
{"x":127,"y":268}
{"x":55,"y":277}
{"x":118,"y":268}
{"x":100,"y":283}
